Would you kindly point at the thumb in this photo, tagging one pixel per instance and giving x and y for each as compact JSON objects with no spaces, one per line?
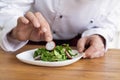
{"x":81,"y":44}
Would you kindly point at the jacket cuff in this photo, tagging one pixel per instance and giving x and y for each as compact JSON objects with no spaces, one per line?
{"x":6,"y":42}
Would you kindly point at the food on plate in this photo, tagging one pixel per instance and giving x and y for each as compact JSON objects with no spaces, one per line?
{"x":50,"y":45}
{"x":58,"y":53}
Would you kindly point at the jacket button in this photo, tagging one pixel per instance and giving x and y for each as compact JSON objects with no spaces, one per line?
{"x":54,"y":32}
{"x":61,"y":16}
{"x":91,"y":21}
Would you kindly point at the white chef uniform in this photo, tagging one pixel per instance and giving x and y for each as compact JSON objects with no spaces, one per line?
{"x":67,"y":18}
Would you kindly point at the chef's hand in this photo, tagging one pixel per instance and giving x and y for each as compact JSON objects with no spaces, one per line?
{"x":93,"y":46}
{"x":32,"y":26}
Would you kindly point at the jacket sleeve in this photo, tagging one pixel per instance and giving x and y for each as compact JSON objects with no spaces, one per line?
{"x":106,"y":23}
{"x":10,"y":10}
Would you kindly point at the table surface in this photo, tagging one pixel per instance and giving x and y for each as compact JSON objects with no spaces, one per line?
{"x":103,"y":68}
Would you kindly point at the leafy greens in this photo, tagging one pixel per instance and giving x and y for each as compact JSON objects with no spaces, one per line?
{"x":59,"y":53}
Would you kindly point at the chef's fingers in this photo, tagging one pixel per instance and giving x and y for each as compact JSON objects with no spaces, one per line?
{"x":81,"y":44}
{"x":44,"y":26}
{"x":23,"y":20}
{"x":32,"y":18}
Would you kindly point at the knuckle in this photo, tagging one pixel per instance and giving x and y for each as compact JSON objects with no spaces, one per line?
{"x":33,"y":19}
{"x":28,"y":13}
{"x":38,"y":13}
{"x":19,"y":19}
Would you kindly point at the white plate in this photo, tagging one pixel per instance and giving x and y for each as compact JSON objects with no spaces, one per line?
{"x":27,"y":57}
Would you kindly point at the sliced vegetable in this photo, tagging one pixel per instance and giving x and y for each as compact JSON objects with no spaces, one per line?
{"x":59,"y":53}
{"x":50,"y":45}
{"x":68,"y":55}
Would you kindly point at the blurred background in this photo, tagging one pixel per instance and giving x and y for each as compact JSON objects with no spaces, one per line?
{"x":116,"y":41}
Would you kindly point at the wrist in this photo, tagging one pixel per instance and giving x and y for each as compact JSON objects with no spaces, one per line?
{"x":11,"y":34}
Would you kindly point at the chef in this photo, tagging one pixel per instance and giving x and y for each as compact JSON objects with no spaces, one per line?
{"x":22,"y":21}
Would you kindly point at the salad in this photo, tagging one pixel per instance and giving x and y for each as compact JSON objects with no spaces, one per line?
{"x":59,"y":53}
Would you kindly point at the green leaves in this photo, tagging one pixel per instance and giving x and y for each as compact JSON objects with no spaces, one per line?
{"x":58,"y":54}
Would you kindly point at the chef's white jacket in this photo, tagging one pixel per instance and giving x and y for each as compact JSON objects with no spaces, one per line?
{"x":67,"y":18}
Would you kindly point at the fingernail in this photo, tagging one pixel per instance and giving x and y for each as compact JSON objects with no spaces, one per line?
{"x":37,"y":25}
{"x":44,"y":29}
{"x":80,"y":49}
{"x":84,"y":56}
{"x":49,"y":39}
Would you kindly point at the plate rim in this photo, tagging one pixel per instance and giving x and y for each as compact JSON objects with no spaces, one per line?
{"x":40,"y":62}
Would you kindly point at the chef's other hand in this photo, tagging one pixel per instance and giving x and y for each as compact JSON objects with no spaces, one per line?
{"x":32,"y":26}
{"x":93,"y":46}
